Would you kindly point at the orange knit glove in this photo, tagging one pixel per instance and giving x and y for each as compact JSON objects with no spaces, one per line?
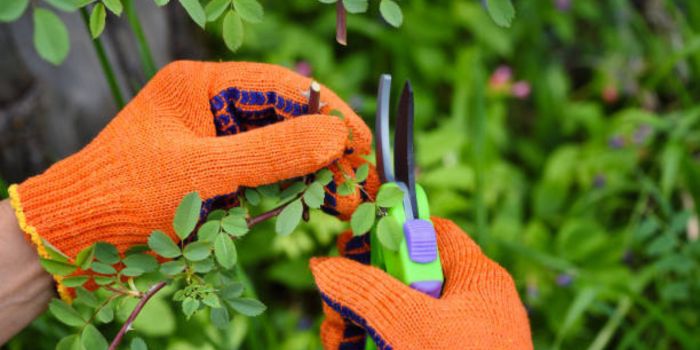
{"x":129,"y":180}
{"x":479,"y":307}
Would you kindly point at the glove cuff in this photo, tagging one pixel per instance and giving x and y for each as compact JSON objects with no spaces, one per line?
{"x":33,"y":235}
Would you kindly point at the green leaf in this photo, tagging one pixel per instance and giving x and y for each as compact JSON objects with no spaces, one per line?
{"x":54,"y":253}
{"x":232,"y":291}
{"x":161,"y":2}
{"x":211,"y":300}
{"x":11,"y":10}
{"x":215,"y":8}
{"x":249,"y":10}
{"x":197,"y":251}
{"x":85,"y":257}
{"x":195,"y":10}
{"x":138,"y":344}
{"x":103,"y":268}
{"x":389,"y":196}
{"x":235,"y":225}
{"x":85,"y":297}
{"x":252,"y":196}
{"x":145,"y":262}
{"x":106,"y":253}
{"x":187,"y":215}
{"x":57,"y":267}
{"x":160,"y":243}
{"x":71,"y":342}
{"x":270,"y":191}
{"x":220,"y":317}
{"x":391,"y":11}
{"x":173,"y":267}
{"x":346,"y":188}
{"x":314,"y":195}
{"x":361,"y":173}
{"x":363,"y":218}
{"x":209,"y":230}
{"x":203,"y":266}
{"x":324,"y":177}
{"x":115,"y":6}
{"x":217,"y":214}
{"x":247,"y":306}
{"x":74,"y":281}
{"x":225,"y":251}
{"x":97,"y":20}
{"x":132,"y":271}
{"x":189,"y":306}
{"x":389,"y":233}
{"x":92,"y":339}
{"x":65,"y":5}
{"x":501,"y":11}
{"x":136,"y":249}
{"x":232,"y":30}
{"x":105,"y":315}
{"x":103,"y":280}
{"x":356,"y":6}
{"x":292,"y":190}
{"x":65,"y":313}
{"x":289,"y":218}
{"x":328,"y":1}
{"x":50,"y":36}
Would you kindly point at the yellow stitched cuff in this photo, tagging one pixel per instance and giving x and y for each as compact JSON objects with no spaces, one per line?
{"x":33,"y":235}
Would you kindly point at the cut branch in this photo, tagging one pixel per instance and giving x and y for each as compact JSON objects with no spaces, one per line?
{"x":341,"y":30}
{"x":314,"y":98}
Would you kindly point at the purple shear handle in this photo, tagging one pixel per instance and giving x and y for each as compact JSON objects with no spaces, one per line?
{"x":422,"y":248}
{"x":421,"y":240}
{"x":432,"y":288}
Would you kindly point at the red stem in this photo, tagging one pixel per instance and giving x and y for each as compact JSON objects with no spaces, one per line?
{"x":134,"y":313}
{"x":157,"y":287}
{"x":314,"y":98}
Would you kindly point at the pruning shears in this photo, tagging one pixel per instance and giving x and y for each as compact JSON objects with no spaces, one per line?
{"x":417,"y":261}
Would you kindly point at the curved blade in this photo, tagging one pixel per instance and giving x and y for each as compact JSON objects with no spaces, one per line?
{"x":381,"y":130}
{"x":404,"y":163}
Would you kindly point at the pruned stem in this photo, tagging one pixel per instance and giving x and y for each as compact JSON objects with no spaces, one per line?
{"x":341,"y":30}
{"x":129,"y":321}
{"x":314,"y":98}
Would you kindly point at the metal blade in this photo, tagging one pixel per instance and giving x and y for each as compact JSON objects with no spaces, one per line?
{"x":404,"y":163}
{"x":381,"y":130}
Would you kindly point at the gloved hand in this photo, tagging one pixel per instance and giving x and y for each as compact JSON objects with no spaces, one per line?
{"x":129,"y":180}
{"x":479,"y":307}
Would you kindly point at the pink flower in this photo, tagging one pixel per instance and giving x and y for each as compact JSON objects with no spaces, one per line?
{"x":520,"y":90}
{"x":500,"y":77}
{"x":303,"y":68}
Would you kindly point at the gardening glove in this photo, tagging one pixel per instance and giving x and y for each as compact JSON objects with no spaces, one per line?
{"x":479,"y":307}
{"x":213,"y":128}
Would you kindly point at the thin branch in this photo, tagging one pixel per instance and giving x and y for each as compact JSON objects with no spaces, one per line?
{"x":129,"y":321}
{"x":341,"y":30}
{"x":266,"y":215}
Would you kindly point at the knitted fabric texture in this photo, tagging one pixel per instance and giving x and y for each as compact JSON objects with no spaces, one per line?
{"x":167,"y":142}
{"x":479,"y":307}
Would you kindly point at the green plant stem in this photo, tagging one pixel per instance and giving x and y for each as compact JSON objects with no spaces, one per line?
{"x":261,"y":320}
{"x":104,"y":63}
{"x":147,"y":63}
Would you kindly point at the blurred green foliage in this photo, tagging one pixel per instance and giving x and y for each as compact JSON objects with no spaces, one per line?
{"x":567,"y":145}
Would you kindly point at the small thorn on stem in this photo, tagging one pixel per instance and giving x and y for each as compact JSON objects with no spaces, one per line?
{"x":315,"y":98}
{"x":341,"y":30}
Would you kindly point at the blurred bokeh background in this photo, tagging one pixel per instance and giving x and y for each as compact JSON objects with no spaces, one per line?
{"x":567,"y":145}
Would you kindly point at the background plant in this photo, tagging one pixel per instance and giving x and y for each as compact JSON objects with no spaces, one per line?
{"x":567,"y":145}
